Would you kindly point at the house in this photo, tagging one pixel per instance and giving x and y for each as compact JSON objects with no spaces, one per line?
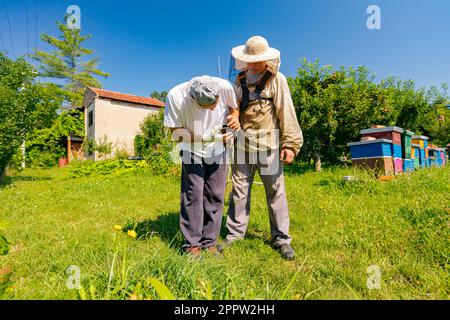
{"x":115,"y":118}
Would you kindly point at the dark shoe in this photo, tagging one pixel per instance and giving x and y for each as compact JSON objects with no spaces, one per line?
{"x":286,"y":251}
{"x":195,"y":252}
{"x":214,"y":250}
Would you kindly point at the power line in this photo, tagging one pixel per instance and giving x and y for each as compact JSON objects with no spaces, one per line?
{"x":26,"y":20}
{"x":9,"y":27}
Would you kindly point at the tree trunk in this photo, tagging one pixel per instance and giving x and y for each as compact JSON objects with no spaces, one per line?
{"x":2,"y":174}
{"x":23,"y":164}
{"x":317,"y":163}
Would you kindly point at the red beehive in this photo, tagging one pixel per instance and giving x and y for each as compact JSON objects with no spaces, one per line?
{"x":391,"y":133}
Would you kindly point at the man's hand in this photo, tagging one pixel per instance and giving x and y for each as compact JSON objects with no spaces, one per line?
{"x":287,"y":156}
{"x":233,"y":122}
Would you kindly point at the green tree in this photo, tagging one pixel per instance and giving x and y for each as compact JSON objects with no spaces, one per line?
{"x":439,"y":127}
{"x":46,"y":144}
{"x":69,"y":63}
{"x":17,"y":106}
{"x":72,"y":68}
{"x":334,"y":105}
{"x":161,"y":96}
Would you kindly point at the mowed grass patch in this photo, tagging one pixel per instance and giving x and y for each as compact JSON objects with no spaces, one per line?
{"x":339,"y":230}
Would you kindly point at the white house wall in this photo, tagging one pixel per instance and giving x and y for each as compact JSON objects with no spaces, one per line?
{"x":120,"y":122}
{"x":90,"y":130}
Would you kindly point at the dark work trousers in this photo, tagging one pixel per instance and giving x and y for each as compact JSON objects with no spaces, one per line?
{"x":203,"y":183}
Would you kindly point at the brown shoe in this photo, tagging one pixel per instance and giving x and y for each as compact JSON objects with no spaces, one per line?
{"x":214,"y":251}
{"x":194,"y":252}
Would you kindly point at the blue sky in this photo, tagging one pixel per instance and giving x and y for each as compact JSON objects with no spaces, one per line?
{"x":154,"y":45}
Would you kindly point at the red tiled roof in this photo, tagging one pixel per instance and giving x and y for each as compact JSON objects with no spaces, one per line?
{"x":127,"y":97}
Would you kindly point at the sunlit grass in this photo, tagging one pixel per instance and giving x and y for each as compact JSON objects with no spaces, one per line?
{"x":339,"y":229}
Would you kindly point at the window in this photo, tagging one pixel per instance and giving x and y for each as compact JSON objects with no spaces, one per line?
{"x":91,"y":118}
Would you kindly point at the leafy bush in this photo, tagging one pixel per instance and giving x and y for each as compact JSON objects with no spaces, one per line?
{"x":121,"y":154}
{"x":101,"y":146}
{"x":155,"y":146}
{"x":139,"y":145}
{"x":158,"y":165}
{"x":43,"y":159}
{"x":154,"y":136}
{"x":45,"y":145}
{"x":161,"y":163}
{"x":107,"y":167}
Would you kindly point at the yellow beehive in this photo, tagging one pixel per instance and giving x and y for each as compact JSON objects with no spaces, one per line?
{"x":419,"y":142}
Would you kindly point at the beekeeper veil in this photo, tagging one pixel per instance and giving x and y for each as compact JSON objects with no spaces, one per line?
{"x":256,"y":49}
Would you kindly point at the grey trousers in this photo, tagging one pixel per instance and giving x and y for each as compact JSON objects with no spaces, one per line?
{"x":270,"y":169}
{"x":203,"y":183}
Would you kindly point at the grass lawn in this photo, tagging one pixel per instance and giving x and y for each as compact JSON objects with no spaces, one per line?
{"x":339,"y":230}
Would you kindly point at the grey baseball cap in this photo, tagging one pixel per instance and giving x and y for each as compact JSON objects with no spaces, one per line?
{"x":204,"y":90}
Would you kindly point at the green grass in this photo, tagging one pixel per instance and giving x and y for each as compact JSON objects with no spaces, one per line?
{"x":339,"y":230}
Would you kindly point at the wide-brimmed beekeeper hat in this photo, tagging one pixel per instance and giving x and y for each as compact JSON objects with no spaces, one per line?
{"x":256,"y":49}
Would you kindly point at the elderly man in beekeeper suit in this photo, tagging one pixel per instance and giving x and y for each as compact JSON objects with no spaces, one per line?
{"x":270,"y":137}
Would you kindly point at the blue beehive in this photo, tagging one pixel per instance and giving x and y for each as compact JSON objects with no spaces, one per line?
{"x":433,"y":156}
{"x":416,"y":153}
{"x":408,"y":165}
{"x":439,"y":158}
{"x":423,"y":160}
{"x":372,"y":148}
{"x":396,"y":150}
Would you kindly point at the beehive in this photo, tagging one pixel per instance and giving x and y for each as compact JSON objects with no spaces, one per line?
{"x":440,"y":157}
{"x":415,"y":155}
{"x":381,"y":165}
{"x":406,"y":144}
{"x":423,"y":159}
{"x":434,"y":157}
{"x":396,"y":151}
{"x":398,"y":165}
{"x":416,"y":163}
{"x":371,"y":149}
{"x":390,"y":133}
{"x":420,"y":140}
{"x":408,"y":165}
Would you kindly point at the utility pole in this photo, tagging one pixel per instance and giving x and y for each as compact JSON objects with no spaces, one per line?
{"x":220,"y":69}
